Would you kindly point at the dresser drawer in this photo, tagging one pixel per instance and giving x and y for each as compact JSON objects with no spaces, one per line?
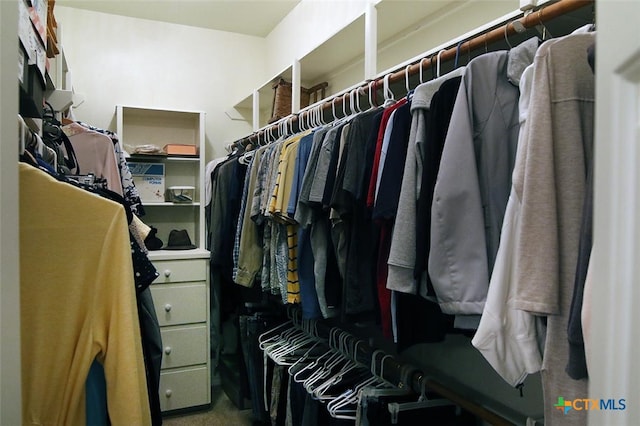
{"x":180,"y":304}
{"x":184,"y":388}
{"x":177,"y":271}
{"x":184,"y":346}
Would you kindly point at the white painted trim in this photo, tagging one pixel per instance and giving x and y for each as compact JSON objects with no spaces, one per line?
{"x":295,"y":86}
{"x":256,"y":110}
{"x":370,"y":41}
{"x":614,"y":344}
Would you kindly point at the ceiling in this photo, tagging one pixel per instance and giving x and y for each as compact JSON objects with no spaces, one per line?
{"x":250,"y":17}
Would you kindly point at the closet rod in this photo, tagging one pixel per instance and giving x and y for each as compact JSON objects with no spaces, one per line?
{"x":536,"y":17}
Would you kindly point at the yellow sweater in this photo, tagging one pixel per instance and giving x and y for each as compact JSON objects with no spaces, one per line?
{"x":77,"y":303}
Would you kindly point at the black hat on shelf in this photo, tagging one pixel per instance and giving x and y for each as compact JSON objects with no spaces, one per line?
{"x":179,"y":240}
{"x":152,"y":242}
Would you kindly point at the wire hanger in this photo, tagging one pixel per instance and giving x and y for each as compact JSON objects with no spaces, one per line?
{"x":517,"y":26}
{"x":506,"y":36}
{"x":545,"y":33}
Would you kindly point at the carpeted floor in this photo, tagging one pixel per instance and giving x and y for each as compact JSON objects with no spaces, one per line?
{"x":222,"y":413}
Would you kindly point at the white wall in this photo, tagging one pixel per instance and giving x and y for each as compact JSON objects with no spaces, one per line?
{"x":9,"y":245}
{"x":307,"y":26}
{"x":121,"y":60}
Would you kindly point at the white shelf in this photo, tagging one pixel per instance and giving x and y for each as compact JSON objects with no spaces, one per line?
{"x":137,"y":126}
{"x":343,"y":50}
{"x":170,"y":204}
{"x":162,"y":158}
{"x":401,"y":30}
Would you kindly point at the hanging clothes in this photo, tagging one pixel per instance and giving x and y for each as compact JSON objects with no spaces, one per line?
{"x":97,"y":281}
{"x":511,"y":340}
{"x":305,"y":215}
{"x":421,"y":168}
{"x":431,"y":108}
{"x":95,"y":154}
{"x":249,"y":238}
{"x":130,"y":192}
{"x":354,"y":220}
{"x":473,"y":184}
{"x":327,"y":274}
{"x":385,"y":202}
{"x":552,"y":187}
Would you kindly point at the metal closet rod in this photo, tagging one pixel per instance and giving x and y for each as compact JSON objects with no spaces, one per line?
{"x":536,"y":17}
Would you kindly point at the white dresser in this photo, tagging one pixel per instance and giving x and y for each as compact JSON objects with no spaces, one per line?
{"x":181,"y":298}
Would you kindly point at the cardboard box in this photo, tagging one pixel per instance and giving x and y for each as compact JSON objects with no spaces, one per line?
{"x":149,"y":179}
{"x":180,"y":149}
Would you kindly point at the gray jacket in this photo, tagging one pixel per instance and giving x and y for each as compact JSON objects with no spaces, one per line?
{"x":474,"y":179}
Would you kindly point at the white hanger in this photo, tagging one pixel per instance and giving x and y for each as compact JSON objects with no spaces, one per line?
{"x":420,"y":74}
{"x":325,"y":370}
{"x":333,"y":109}
{"x":389,"y":98}
{"x":406,"y":78}
{"x":359,"y":92}
{"x":349,"y":364}
{"x":269,"y":335}
{"x":319,"y":392}
{"x":315,"y":366}
{"x":352,"y":102}
{"x":371,"y":83}
{"x":319,"y":116}
{"x":438,"y":63}
{"x":268,"y":134}
{"x":302,"y":124}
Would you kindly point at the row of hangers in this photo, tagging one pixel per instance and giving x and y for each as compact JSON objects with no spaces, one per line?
{"x":332,"y":370}
{"x":312,"y":117}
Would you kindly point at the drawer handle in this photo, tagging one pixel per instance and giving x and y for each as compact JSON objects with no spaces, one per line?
{"x":168,"y":307}
{"x":167,"y":350}
{"x":168,"y":393}
{"x":167,"y":273}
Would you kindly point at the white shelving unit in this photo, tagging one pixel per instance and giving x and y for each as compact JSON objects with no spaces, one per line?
{"x":181,"y":292}
{"x":143,"y":126}
{"x":386,"y":34}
